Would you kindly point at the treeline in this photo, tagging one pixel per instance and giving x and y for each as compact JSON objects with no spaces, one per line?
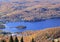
{"x":15,"y":40}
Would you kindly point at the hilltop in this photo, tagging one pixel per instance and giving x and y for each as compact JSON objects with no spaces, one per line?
{"x":46,"y":35}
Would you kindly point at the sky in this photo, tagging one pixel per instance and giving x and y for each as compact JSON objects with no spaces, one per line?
{"x":31,"y":0}
{"x":4,"y":0}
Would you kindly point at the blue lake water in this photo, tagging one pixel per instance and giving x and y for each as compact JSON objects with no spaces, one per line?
{"x":10,"y":27}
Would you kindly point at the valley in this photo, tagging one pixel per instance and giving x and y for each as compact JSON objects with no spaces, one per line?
{"x":29,"y":20}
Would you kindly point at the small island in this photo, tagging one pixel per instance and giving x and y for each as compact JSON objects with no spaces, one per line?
{"x":21,"y":27}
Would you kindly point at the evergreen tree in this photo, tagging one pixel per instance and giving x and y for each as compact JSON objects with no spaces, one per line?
{"x":22,"y":39}
{"x":11,"y":39}
{"x":3,"y":41}
{"x":33,"y":40}
{"x":16,"y":39}
{"x":52,"y":40}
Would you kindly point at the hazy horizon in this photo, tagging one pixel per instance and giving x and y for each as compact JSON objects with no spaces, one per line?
{"x":29,"y":0}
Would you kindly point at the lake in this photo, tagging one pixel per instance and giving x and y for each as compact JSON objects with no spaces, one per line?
{"x":10,"y":27}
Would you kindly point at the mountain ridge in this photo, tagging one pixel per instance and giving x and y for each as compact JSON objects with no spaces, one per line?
{"x":29,"y":10}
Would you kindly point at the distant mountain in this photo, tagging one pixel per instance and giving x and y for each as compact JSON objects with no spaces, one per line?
{"x":29,"y":10}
